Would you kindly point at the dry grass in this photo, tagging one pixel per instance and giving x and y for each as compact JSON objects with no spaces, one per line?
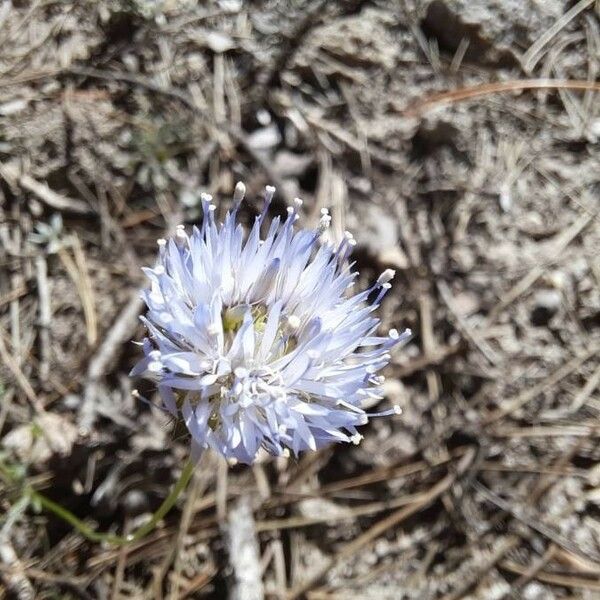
{"x":115,"y":114}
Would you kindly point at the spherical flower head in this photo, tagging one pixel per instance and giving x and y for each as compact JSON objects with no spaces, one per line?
{"x":255,"y":341}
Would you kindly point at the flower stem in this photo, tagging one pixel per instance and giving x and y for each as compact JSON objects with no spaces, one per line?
{"x":117,"y":540}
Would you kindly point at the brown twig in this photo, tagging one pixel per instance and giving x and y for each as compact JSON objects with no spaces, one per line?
{"x":45,"y":315}
{"x":529,"y":394}
{"x":20,"y":377}
{"x":41,"y":190}
{"x":244,"y":552}
{"x":119,"y":332}
{"x":14,"y":576}
{"x":532,"y":55}
{"x":518,"y":514}
{"x":499,"y":87}
{"x":569,"y":581}
{"x":423,"y":500}
{"x":188,"y":101}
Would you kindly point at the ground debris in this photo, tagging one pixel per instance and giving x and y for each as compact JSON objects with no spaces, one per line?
{"x":115,"y":115}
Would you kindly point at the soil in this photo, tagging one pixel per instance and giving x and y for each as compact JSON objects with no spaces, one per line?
{"x":457,"y":141}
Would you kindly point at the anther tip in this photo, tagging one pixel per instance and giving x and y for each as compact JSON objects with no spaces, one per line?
{"x":239,"y":192}
{"x":386,"y":276}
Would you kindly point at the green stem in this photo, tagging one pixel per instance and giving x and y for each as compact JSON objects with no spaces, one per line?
{"x":117,"y":540}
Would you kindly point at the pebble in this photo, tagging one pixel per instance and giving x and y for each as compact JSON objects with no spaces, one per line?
{"x":546,"y":304}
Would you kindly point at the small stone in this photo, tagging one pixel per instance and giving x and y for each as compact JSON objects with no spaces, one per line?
{"x":263,"y":117}
{"x":558,"y":280}
{"x":219,"y":42}
{"x":545,"y":305}
{"x":535,"y":591}
{"x":290,"y":164}
{"x":48,"y":435}
{"x":12,"y":107}
{"x":378,"y":231}
{"x":264,"y":138}
{"x":135,"y":502}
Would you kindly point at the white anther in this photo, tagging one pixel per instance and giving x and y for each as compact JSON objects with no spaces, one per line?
{"x":348,"y":235}
{"x":155,"y":364}
{"x":356,"y":438}
{"x":393,"y":333}
{"x":293,"y":322}
{"x":181,"y":237}
{"x":386,"y":276}
{"x":240,"y":372}
{"x":212,"y":207}
{"x":161,"y":242}
{"x":270,"y":190}
{"x":290,"y":210}
{"x":232,"y":461}
{"x":324,"y":211}
{"x":239,"y":192}
{"x":397,"y":409}
{"x":206,"y":197}
{"x":298,"y":202}
{"x":286,"y":453}
{"x":324,"y":223}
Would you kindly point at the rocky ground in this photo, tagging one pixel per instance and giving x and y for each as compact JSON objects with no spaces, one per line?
{"x":458,"y":141}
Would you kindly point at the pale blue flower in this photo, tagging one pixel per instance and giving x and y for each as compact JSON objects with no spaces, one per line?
{"x":255,"y":340}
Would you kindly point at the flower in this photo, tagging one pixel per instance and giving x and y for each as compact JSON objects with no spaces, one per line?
{"x":255,"y":342}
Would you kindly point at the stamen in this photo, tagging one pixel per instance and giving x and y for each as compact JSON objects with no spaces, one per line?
{"x":181,"y":238}
{"x":356,"y":438}
{"x":238,"y":193}
{"x":386,"y":276}
{"x":324,"y":222}
{"x":162,"y":248}
{"x":382,"y":292}
{"x":269,"y":193}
